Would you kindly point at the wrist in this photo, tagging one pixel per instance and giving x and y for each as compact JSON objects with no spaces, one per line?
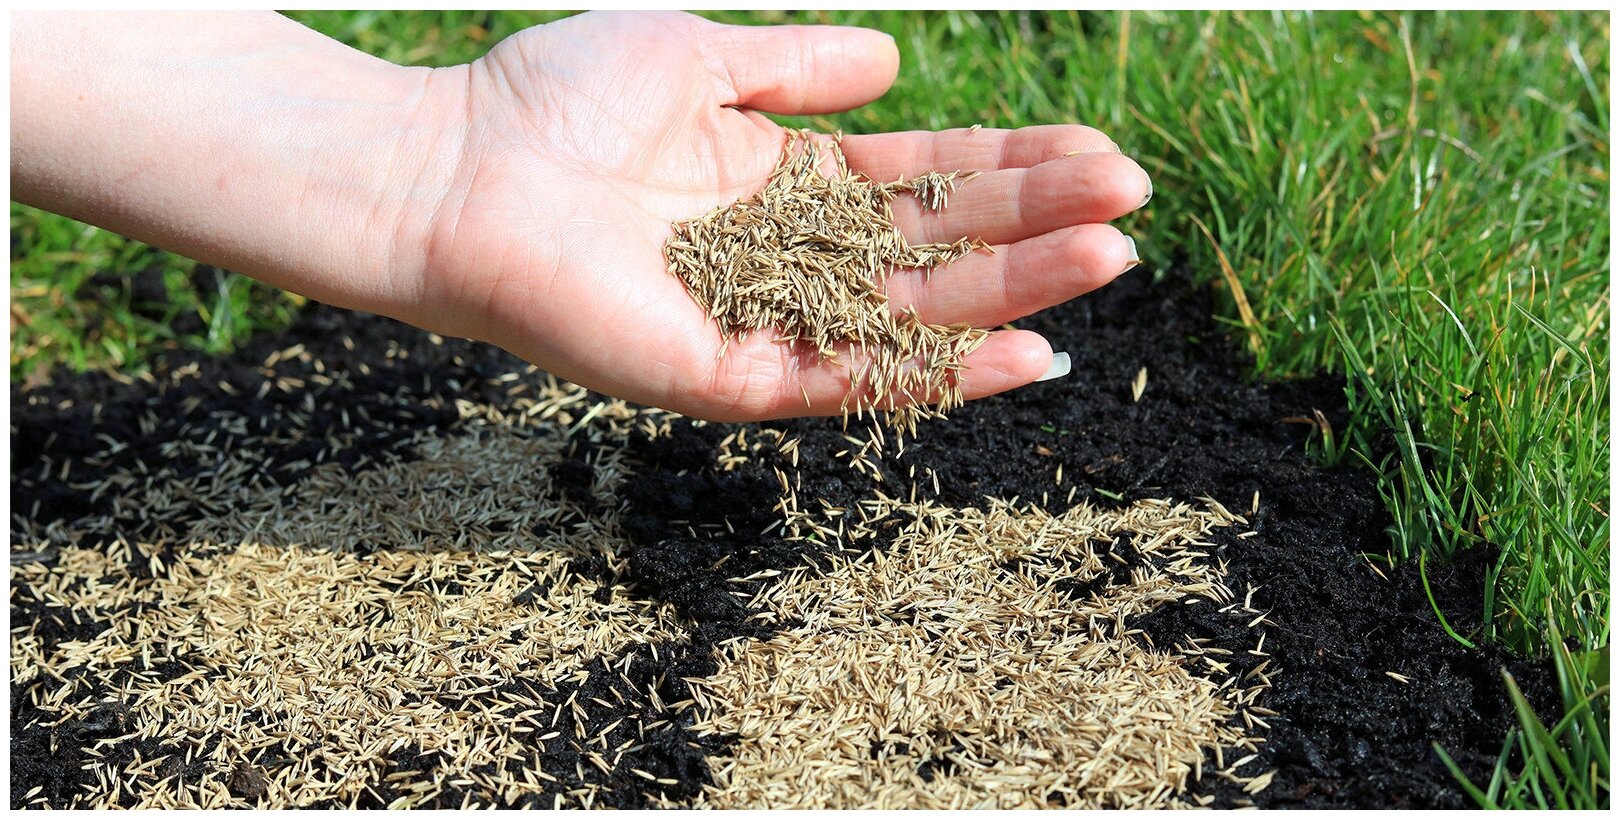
{"x":413,"y":149}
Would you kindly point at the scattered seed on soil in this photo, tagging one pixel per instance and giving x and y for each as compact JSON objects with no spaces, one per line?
{"x":932,"y":674}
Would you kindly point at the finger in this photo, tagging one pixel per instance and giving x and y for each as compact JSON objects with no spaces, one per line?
{"x":761,"y":379}
{"x":885,"y":157}
{"x":986,"y":290}
{"x":1009,"y":359}
{"x":801,"y":69}
{"x":1007,"y":206}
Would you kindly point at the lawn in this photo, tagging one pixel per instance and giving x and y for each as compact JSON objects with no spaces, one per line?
{"x":1416,"y":201}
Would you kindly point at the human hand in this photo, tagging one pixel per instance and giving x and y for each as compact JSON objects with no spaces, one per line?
{"x":524,"y":199}
{"x":582,"y":141}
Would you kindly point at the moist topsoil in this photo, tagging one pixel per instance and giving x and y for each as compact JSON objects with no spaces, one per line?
{"x":1346,"y":733}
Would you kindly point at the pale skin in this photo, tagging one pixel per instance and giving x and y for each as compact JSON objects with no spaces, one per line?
{"x":524,"y":199}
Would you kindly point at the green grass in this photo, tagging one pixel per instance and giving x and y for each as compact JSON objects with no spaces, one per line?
{"x":72,"y":304}
{"x":1562,"y":767}
{"x":1417,"y":201}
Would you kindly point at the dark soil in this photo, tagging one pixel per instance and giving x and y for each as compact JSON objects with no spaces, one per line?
{"x":1346,"y":734}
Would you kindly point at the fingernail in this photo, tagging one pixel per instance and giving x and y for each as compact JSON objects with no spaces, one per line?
{"x":1059,"y":368}
{"x":1132,"y":257}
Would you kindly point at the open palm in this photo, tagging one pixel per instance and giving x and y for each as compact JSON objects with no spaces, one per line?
{"x":588,"y":137}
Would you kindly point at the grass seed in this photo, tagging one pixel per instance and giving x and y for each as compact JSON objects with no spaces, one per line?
{"x":808,"y":257}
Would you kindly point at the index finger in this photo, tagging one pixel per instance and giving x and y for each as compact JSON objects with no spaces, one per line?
{"x":885,"y":157}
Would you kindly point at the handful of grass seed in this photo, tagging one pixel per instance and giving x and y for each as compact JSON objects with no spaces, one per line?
{"x":808,"y":256}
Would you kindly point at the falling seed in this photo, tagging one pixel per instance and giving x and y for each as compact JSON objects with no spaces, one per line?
{"x":1138,"y":385}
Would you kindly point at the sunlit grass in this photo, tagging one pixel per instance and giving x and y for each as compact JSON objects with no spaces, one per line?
{"x":73,"y":303}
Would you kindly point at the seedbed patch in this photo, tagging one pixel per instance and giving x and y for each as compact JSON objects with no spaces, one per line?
{"x":359,"y":565}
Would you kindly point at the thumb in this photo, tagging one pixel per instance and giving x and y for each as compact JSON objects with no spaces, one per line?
{"x":801,"y":69}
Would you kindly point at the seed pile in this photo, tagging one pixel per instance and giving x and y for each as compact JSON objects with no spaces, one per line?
{"x":808,"y":256}
{"x":982,"y":660}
